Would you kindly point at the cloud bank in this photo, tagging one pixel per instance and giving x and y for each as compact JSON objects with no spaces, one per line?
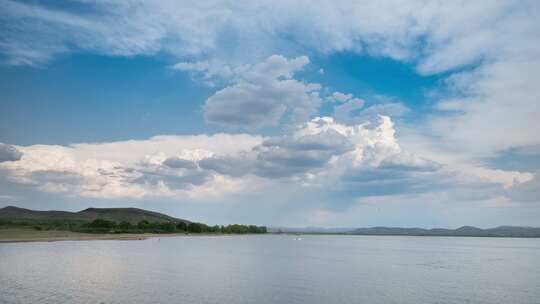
{"x":322,"y":155}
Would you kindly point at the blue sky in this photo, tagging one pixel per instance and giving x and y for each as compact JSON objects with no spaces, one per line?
{"x":128,"y":95}
{"x":295,"y":114}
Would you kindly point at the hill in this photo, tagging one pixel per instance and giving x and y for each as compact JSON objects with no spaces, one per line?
{"x":501,"y":231}
{"x":111,"y":221}
{"x":131,"y":215}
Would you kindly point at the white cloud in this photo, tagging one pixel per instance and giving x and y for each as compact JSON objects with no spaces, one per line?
{"x":257,"y":30}
{"x":351,"y":110}
{"x":263,"y":93}
{"x":408,"y":161}
{"x":371,"y":142}
{"x":209,"y":73}
{"x":339,"y":97}
{"x":345,"y":112}
{"x":528,"y":191}
{"x":499,"y":110}
{"x":135,"y":168}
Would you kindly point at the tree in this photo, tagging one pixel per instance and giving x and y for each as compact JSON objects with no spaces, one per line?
{"x":167,"y":227}
{"x":144,"y":224}
{"x":181,"y":226}
{"x":195,"y":228}
{"x":253,"y":229}
{"x":101,"y":223}
{"x":124,"y":225}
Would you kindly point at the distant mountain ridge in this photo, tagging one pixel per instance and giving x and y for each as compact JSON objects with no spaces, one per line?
{"x":501,"y":231}
{"x":135,"y":215}
{"x":132,"y":215}
{"x":310,"y":230}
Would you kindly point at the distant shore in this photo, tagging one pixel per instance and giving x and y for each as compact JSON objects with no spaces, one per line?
{"x":24,"y":235}
{"x":18,"y":235}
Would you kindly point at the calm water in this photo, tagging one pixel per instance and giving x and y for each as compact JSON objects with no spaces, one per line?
{"x":273,"y":269}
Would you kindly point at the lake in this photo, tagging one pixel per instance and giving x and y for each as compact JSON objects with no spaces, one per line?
{"x":273,"y":269}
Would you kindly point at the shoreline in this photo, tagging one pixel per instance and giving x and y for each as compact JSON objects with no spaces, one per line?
{"x":30,"y":236}
{"x":22,"y":235}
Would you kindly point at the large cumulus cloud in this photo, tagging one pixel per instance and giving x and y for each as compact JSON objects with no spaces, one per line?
{"x":328,"y":161}
{"x":191,"y":163}
{"x":323,"y":149}
{"x":285,"y":156}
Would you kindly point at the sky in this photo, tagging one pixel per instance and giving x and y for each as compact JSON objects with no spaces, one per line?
{"x":277,"y":113}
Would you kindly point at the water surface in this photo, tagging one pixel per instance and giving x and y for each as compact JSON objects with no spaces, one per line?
{"x":273,"y":269}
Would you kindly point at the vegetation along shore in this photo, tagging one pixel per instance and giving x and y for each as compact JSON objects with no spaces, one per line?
{"x":19,"y":224}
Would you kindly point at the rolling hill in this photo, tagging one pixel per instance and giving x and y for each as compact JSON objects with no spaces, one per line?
{"x":132,"y":215}
{"x":501,"y":231}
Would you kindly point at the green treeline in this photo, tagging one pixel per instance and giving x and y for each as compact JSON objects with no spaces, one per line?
{"x":107,"y":226}
{"x":39,"y":224}
{"x":101,"y":225}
